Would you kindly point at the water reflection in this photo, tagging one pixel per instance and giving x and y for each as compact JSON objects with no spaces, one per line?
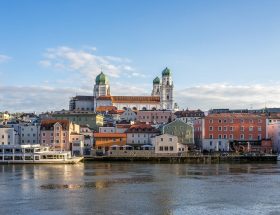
{"x":139,"y":188}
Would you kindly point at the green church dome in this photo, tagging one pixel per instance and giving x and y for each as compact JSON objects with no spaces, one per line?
{"x":156,"y":80}
{"x":166,"y":72}
{"x":102,"y":79}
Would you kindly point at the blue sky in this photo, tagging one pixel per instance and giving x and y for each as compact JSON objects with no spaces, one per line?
{"x":222,"y":53}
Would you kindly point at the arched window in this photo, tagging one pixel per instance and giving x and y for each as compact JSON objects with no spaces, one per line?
{"x":144,"y":108}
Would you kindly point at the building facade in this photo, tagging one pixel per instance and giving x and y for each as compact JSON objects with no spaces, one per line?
{"x":161,"y":98}
{"x":89,"y":118}
{"x":168,"y":144}
{"x":141,"y":134}
{"x":58,"y":133}
{"x":182,"y":130}
{"x":155,"y":116}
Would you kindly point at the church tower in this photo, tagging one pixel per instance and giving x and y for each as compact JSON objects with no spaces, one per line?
{"x":166,"y":91}
{"x":156,"y":87}
{"x":101,"y":88}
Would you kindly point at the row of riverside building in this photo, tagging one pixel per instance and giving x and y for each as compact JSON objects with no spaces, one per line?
{"x":163,"y":131}
{"x":99,"y":123}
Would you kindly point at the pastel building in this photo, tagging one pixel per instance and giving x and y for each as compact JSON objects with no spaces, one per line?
{"x":58,"y":134}
{"x":141,"y":134}
{"x":168,"y":144}
{"x":183,"y":131}
{"x":29,"y":133}
{"x":155,"y":116}
{"x":8,"y":136}
{"x":273,"y":131}
{"x":93,"y":120}
{"x":103,"y":141}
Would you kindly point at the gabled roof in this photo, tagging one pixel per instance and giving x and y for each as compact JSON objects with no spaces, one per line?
{"x":48,"y":124}
{"x":142,"y":128}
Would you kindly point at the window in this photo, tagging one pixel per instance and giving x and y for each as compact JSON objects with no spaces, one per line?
{"x":231,"y":136}
{"x":220,"y":136}
{"x":251,"y":121}
{"x":242,"y":120}
{"x":9,"y":136}
{"x":165,"y":148}
{"x":57,"y":128}
{"x":225,"y":128}
{"x":161,"y":139}
{"x":211,"y":136}
{"x":259,"y":128}
{"x":51,"y":134}
{"x":57,"y":141}
{"x":250,"y":136}
{"x":44,"y":141}
{"x":242,"y":136}
{"x":211,"y":121}
{"x":259,"y":121}
{"x":51,"y":141}
{"x":57,"y":134}
{"x":34,"y":135}
{"x":242,"y":128}
{"x":259,"y":136}
{"x":161,"y":148}
{"x":171,"y":148}
{"x":210,"y":143}
{"x":219,"y":128}
{"x":225,"y":136}
{"x":2,"y":136}
{"x":210,"y":128}
{"x":231,"y":128}
{"x":225,"y":121}
{"x":44,"y":134}
{"x":28,"y":135}
{"x":220,"y":143}
{"x":170,"y":139}
{"x":231,"y":120}
{"x":251,"y":128}
{"x":220,"y":121}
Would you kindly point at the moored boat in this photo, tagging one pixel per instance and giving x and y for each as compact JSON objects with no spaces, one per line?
{"x":35,"y":154}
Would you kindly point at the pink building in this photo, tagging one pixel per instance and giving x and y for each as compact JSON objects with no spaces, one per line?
{"x":58,"y":133}
{"x":155,"y":116}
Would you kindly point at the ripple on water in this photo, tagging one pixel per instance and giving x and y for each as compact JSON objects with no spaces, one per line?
{"x":97,"y":184}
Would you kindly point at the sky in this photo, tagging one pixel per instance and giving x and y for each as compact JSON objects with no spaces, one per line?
{"x":222,"y":54}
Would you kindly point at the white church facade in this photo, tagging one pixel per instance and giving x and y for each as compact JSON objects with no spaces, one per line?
{"x":161,"y":97}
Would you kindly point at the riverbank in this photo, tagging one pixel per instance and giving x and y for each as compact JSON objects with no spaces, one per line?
{"x":201,"y":159}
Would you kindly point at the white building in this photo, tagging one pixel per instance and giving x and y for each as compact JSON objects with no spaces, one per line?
{"x":161,"y":98}
{"x":141,"y":134}
{"x":29,"y":134}
{"x":168,"y":144}
{"x":273,"y":132}
{"x":128,"y":115}
{"x":8,"y":136}
{"x":107,"y":130}
{"x":212,"y":145}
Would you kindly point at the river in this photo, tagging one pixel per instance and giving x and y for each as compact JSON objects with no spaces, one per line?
{"x":140,"y":188}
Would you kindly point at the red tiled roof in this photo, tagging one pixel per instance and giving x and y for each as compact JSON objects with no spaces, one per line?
{"x":112,"y":135}
{"x":135,"y":99}
{"x":48,"y":124}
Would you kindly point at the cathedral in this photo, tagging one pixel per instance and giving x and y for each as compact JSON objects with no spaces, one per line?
{"x":161,"y":97}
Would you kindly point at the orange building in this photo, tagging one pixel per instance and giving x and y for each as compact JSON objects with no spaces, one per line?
{"x":224,"y":131}
{"x":105,"y":140}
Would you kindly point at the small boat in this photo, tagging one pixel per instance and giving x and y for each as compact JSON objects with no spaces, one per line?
{"x":35,"y":154}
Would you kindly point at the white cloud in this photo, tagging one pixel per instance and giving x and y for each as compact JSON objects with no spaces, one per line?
{"x":43,"y":98}
{"x":85,"y":62}
{"x":229,"y":96}
{"x":4,"y":58}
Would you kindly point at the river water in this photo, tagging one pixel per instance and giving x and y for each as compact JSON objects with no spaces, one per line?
{"x":140,"y":188}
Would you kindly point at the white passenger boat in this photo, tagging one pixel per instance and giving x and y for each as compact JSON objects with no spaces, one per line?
{"x":35,"y":154}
